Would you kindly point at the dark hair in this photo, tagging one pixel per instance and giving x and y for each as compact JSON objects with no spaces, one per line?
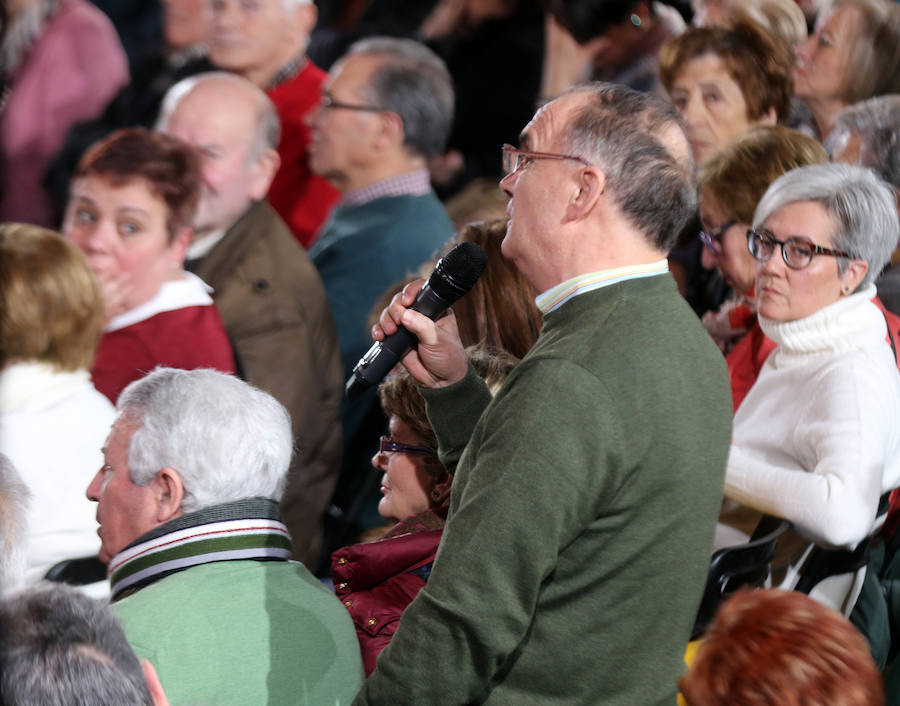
{"x":499,"y":311}
{"x":170,"y":167}
{"x":588,"y":19}
{"x":60,"y":647}
{"x":781,"y":647}
{"x":760,"y":63}
{"x":632,"y":136}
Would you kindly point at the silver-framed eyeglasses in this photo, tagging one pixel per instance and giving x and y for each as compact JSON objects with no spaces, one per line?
{"x":514,"y":158}
{"x":329,"y":103}
{"x":797,"y":252}
{"x":387,"y":445}
{"x":713,"y":238}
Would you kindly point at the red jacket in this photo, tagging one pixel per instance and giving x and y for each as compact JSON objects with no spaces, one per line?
{"x":377,"y":580}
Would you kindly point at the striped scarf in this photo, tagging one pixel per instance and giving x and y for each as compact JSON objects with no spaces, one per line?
{"x":244,"y":529}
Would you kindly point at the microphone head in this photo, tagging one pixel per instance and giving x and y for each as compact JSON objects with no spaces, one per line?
{"x":458,"y":271}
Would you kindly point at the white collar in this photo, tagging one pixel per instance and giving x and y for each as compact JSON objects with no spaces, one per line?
{"x":190,"y":290}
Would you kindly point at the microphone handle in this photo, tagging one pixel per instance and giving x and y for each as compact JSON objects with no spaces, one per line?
{"x":385,"y":354}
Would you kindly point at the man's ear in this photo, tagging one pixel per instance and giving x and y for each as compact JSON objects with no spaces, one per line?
{"x":390,"y":131}
{"x":169,"y":493}
{"x":587,"y":191}
{"x":262,"y":173}
{"x":153,"y":684}
{"x":306,"y":15}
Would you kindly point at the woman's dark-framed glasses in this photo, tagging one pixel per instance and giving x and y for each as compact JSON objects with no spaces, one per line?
{"x":797,"y":252}
{"x":514,"y":158}
{"x":713,"y":238}
{"x":387,"y":445}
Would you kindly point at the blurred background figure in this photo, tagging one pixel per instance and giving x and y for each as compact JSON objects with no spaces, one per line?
{"x":130,"y":211}
{"x":815,"y":440}
{"x":730,"y":186}
{"x":265,"y":41}
{"x":378,"y":580}
{"x":783,"y":18}
{"x":770,"y":647}
{"x":385,"y":113}
{"x":603,"y":40}
{"x":853,"y":54}
{"x":725,"y":81}
{"x":181,"y":51}
{"x":493,"y":51}
{"x":52,"y":420}
{"x":268,"y":291}
{"x":14,"y":503}
{"x":868,"y":134}
{"x":61,"y":62}
{"x":61,"y":648}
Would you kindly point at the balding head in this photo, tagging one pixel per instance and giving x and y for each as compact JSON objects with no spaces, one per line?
{"x":234,"y":126}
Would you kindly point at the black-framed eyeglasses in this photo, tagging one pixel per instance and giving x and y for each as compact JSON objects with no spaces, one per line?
{"x":387,"y":445}
{"x":713,"y":238}
{"x":514,"y":158}
{"x":329,"y":103}
{"x":797,"y":252}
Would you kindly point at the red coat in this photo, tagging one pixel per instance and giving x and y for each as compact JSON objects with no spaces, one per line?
{"x":301,"y":198}
{"x":377,"y":580}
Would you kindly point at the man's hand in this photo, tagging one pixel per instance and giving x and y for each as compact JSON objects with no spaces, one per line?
{"x":439,"y":359}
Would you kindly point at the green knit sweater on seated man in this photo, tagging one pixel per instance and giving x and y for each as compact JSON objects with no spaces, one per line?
{"x":581,"y":518}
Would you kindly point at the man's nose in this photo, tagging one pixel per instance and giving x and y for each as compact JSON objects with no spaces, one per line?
{"x":93,"y":489}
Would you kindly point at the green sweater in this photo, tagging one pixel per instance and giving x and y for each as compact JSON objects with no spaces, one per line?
{"x":234,"y":632}
{"x":581,"y":517}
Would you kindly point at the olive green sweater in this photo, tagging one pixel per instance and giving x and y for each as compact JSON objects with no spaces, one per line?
{"x":581,"y":517}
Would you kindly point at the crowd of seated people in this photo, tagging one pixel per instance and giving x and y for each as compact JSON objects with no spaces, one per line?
{"x":152,"y":222}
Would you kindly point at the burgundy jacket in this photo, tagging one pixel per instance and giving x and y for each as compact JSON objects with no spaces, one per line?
{"x":377,"y":580}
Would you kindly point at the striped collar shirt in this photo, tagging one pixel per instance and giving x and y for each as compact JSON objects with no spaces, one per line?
{"x":556,"y":296}
{"x":415,"y":183}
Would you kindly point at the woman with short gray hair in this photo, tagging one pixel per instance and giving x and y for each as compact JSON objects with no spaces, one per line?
{"x":816,"y":441}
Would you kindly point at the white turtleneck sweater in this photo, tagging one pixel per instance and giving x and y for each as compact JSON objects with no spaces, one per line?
{"x":817,"y":439}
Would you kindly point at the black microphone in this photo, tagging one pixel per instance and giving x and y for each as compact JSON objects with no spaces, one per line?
{"x":454,"y":275}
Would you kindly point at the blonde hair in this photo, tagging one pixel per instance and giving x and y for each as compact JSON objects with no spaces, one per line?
{"x":52,"y":307}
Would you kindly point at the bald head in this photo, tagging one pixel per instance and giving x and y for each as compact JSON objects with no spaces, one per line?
{"x":234,"y":126}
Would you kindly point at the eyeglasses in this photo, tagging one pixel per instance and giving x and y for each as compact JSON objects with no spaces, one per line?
{"x":712,"y":238}
{"x":514,"y":158}
{"x":387,"y":445}
{"x":797,"y":252}
{"x":328,"y":103}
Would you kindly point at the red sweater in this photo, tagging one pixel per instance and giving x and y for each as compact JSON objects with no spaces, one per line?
{"x":191,"y":337}
{"x":301,"y":198}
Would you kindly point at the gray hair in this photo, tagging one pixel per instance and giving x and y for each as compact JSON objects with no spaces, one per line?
{"x":631,"y":136}
{"x":877,"y":124}
{"x":266,"y":121}
{"x":227,"y":439}
{"x":860,"y":205}
{"x":60,"y":647}
{"x":14,"y":501}
{"x":413,"y":82}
